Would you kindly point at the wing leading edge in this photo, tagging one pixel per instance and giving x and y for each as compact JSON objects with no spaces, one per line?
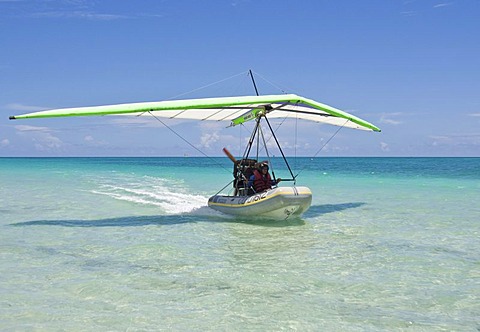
{"x":235,"y":109}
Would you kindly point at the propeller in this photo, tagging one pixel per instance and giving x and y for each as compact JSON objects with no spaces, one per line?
{"x":229,"y":155}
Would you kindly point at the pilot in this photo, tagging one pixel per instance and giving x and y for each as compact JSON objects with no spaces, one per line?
{"x":261,"y":179}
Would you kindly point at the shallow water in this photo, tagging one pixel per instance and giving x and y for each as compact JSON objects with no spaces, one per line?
{"x":129,"y":244}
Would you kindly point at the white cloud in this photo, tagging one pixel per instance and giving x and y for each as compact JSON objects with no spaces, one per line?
{"x":42,"y":137}
{"x":70,"y":9}
{"x":47,"y":143}
{"x":23,"y":107}
{"x":438,"y":137}
{"x":91,"y":141}
{"x":462,"y":135}
{"x":445,"y":4}
{"x":211,"y":133}
{"x":388,"y":118}
{"x":391,"y":121}
{"x":79,"y":15}
{"x":5,"y":142}
{"x":456,"y":139}
{"x":384,"y":146}
{"x":25,"y":128}
{"x":206,"y":140}
{"x":474,"y":114}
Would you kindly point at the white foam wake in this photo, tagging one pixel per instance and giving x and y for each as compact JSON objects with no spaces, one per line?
{"x":171,"y":196}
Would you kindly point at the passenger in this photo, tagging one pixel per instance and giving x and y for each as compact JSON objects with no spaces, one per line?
{"x":261,"y":179}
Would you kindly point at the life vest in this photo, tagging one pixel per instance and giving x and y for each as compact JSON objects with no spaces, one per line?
{"x":261,"y":183}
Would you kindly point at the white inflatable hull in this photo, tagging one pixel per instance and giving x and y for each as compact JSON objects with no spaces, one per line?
{"x":279,"y":203}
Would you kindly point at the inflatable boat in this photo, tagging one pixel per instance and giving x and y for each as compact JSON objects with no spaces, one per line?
{"x":277,"y":203}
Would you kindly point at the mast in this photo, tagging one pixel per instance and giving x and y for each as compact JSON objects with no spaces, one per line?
{"x":258,"y":122}
{"x":257,"y":128}
{"x":253,"y":81}
{"x":256,"y":133}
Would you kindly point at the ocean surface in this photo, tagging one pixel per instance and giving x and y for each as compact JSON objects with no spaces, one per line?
{"x":129,"y":244}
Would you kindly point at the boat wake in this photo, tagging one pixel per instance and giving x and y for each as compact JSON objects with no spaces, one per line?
{"x":171,"y":196}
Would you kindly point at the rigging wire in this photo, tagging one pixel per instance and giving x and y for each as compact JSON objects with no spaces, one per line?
{"x":272,"y":84}
{"x":242,"y":125}
{"x":295,"y":142}
{"x":208,"y":85}
{"x":280,"y":148}
{"x":266,"y":151}
{"x":224,"y":187}
{"x":246,"y":153}
{"x":276,"y":129}
{"x":321,"y":148}
{"x":186,"y":141}
{"x":240,"y":140}
{"x":258,"y":140}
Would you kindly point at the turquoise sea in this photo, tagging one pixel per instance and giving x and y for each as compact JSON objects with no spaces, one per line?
{"x":128,"y":244}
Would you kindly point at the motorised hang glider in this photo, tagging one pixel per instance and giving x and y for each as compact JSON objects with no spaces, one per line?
{"x":278,"y":202}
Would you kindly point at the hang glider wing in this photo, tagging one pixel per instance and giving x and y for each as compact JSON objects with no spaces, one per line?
{"x":237,"y":110}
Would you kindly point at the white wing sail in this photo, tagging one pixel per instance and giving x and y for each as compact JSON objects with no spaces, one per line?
{"x":236,"y":110}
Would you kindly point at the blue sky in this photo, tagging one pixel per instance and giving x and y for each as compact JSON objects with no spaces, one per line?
{"x":411,"y":67}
